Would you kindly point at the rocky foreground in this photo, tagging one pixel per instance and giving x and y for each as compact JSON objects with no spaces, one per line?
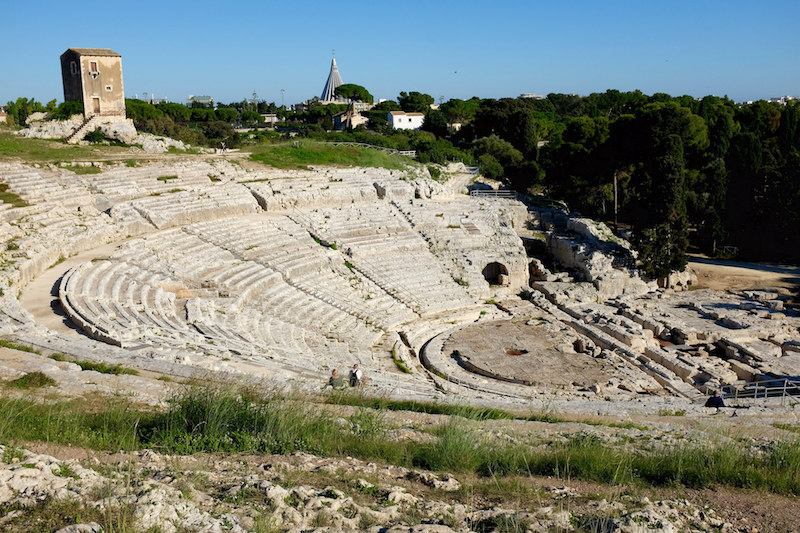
{"x":147,"y":491}
{"x":51,"y":487}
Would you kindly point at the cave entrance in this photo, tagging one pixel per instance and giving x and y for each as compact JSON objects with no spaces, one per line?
{"x":496,"y":274}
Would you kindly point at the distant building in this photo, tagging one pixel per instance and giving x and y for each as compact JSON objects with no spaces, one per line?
{"x":334,"y":80}
{"x":360,"y":107}
{"x":783,"y":100}
{"x":400,"y":120}
{"x":531,"y":95}
{"x":3,"y":115}
{"x":206,"y":101}
{"x":348,"y":119}
{"x":270,"y":119}
{"x":93,"y":76}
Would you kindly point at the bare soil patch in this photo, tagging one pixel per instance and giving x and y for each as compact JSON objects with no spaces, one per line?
{"x":736,"y":275}
{"x":525,"y":353}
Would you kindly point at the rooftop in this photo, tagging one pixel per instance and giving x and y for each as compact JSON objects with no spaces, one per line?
{"x":95,"y":52}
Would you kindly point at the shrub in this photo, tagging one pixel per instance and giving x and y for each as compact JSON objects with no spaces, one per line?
{"x":33,"y":380}
{"x":103,"y":368}
{"x":95,"y":136}
{"x":65,"y":110}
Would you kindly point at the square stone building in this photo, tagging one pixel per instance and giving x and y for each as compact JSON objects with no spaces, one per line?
{"x":94,"y":76}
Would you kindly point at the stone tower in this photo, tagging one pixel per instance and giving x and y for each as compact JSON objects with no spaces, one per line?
{"x":93,"y":76}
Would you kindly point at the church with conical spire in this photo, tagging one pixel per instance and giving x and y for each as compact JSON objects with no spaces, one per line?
{"x":334,"y":80}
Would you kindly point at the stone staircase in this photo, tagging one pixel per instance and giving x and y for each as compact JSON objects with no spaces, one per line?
{"x":76,"y":136}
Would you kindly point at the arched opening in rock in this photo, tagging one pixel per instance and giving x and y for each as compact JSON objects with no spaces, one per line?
{"x":496,"y":274}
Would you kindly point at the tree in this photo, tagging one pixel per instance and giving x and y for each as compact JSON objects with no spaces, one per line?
{"x":203,"y":114}
{"x":140,"y":111}
{"x":502,"y":156}
{"x":415,"y":101}
{"x":177,"y":112}
{"x":570,"y":105}
{"x":377,"y":115}
{"x":66,"y":110}
{"x":354,"y":93}
{"x":662,"y":234}
{"x":460,"y":111}
{"x":22,"y":108}
{"x":436,"y":123}
{"x":491,"y":167}
{"x":228,"y":114}
{"x":250,"y":117}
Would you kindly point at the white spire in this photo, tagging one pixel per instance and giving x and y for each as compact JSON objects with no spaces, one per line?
{"x":334,"y":80}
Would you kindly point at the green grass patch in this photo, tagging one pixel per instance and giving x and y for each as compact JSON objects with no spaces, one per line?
{"x":14,"y":147}
{"x":10,"y":198}
{"x":433,"y":408}
{"x":166,"y":178}
{"x":399,"y":363}
{"x":19,"y":347}
{"x":32,"y":380}
{"x":12,"y":454}
{"x":103,"y":368}
{"x":233,"y":419}
{"x":301,"y":154}
{"x":671,"y":412}
{"x":81,"y":169}
{"x":787,"y":427}
{"x":110,"y":425}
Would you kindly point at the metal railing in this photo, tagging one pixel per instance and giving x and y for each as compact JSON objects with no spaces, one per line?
{"x":499,"y":193}
{"x":411,"y":153}
{"x":769,"y":389}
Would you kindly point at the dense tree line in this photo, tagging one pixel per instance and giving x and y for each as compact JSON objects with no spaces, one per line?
{"x":705,"y":172}
{"x":705,"y":169}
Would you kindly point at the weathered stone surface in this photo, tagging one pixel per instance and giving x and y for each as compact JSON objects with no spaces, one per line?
{"x":123,"y":131}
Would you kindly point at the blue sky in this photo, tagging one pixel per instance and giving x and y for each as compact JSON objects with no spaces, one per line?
{"x":744,"y":49}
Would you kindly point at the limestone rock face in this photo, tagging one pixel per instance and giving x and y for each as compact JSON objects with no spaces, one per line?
{"x":51,"y":129}
{"x":155,"y":144}
{"x":120,"y":130}
{"x":680,"y":281}
{"x":123,"y":131}
{"x":592,"y":253}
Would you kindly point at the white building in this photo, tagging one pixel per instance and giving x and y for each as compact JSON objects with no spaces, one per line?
{"x":400,"y":120}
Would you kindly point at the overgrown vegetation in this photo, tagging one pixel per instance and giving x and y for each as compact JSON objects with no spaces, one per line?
{"x":103,"y":368}
{"x":300,"y":154}
{"x":16,"y":346}
{"x":32,"y":380}
{"x":10,"y":198}
{"x":14,"y":147}
{"x":234,"y":419}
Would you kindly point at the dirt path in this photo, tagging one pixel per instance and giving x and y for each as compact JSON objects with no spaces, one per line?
{"x":719,"y":274}
{"x":40,"y":296}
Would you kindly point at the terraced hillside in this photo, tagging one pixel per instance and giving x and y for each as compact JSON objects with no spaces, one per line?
{"x":207,"y":270}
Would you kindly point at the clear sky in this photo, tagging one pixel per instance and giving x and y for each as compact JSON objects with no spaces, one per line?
{"x":452,"y":49}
